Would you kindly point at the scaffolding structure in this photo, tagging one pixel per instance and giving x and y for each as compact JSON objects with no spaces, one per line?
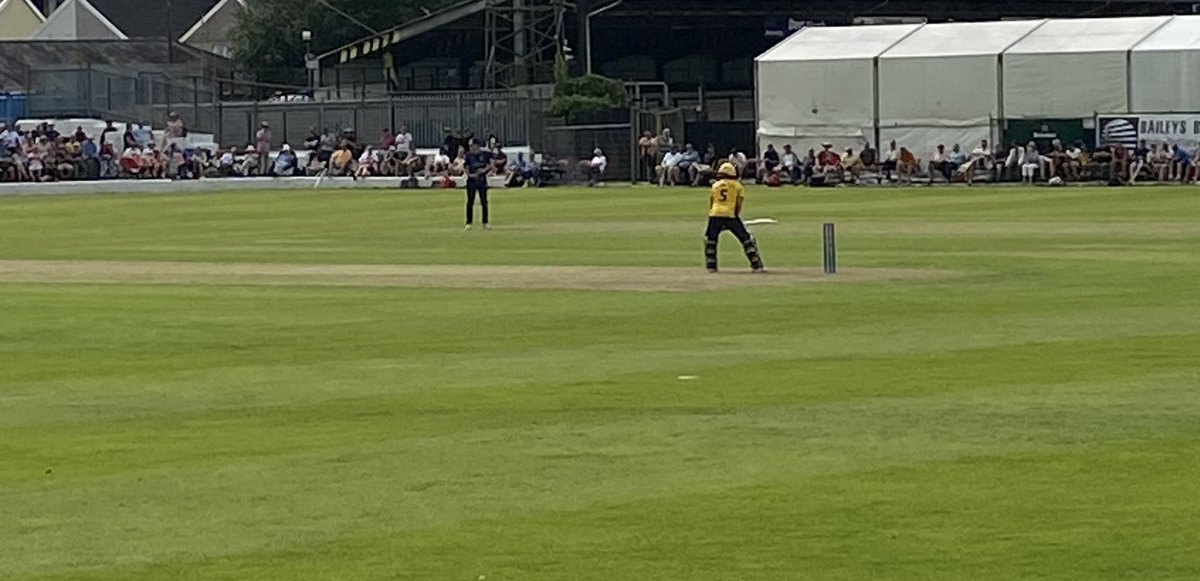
{"x":521,"y":39}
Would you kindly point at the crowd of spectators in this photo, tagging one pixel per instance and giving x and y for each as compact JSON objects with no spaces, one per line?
{"x":664,"y":162}
{"x":1051,"y":162}
{"x":43,"y":154}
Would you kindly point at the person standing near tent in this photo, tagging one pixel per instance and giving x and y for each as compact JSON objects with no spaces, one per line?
{"x":725,"y":203}
{"x":478,"y":166}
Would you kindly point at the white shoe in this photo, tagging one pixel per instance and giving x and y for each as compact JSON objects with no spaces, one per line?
{"x":487,"y":226}
{"x":468,"y":227}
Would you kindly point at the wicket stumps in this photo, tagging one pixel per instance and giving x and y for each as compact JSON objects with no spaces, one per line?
{"x":829,"y":245}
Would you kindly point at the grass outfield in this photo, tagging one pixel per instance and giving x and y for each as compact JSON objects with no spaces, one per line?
{"x":1004,"y":384}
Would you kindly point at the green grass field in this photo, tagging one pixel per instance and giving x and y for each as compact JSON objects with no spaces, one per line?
{"x":1015,"y":396}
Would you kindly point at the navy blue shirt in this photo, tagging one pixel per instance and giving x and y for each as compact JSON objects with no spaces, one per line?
{"x":477,"y":162}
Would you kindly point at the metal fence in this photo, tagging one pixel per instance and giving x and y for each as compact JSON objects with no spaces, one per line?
{"x":110,"y":94}
{"x":208,"y":106}
{"x":618,"y":141}
{"x":505,"y":114}
{"x":577,"y":142}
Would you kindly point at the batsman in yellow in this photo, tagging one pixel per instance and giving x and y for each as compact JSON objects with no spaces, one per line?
{"x":725,"y":213}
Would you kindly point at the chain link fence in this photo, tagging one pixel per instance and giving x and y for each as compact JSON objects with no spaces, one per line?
{"x":505,"y":114}
{"x":220,"y":107}
{"x":618,"y":141}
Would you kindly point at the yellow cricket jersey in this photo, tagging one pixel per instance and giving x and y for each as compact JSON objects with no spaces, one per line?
{"x":724,"y":199}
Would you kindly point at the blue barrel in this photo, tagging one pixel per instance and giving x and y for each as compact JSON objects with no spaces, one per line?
{"x":13,"y":106}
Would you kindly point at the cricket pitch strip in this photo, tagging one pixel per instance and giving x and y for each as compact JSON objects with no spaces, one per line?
{"x":614,"y":278}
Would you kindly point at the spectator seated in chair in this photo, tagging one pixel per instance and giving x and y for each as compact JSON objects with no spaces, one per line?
{"x":980,"y":159}
{"x":227,"y":164}
{"x":868,"y":161}
{"x":686,"y":168}
{"x":154,"y":165}
{"x":1031,"y":163}
{"x":1119,"y":166}
{"x":249,"y":164}
{"x":595,"y":167}
{"x":907,"y":165}
{"x":829,"y":164}
{"x":499,"y":161}
{"x":315,"y":166}
{"x":1181,"y":165}
{"x":410,"y":164}
{"x":341,"y":163}
{"x":1075,"y":162}
{"x":956,"y":160}
{"x":439,"y":164}
{"x":8,"y":164}
{"x":458,"y":167}
{"x":769,"y":164}
{"x":286,"y":163}
{"x":740,"y":163}
{"x":789,"y":165}
{"x":668,"y":170}
{"x":131,"y":163}
{"x":1160,"y":161}
{"x":523,"y":173}
{"x":706,"y":170}
{"x":367,"y":164}
{"x":939,"y":163}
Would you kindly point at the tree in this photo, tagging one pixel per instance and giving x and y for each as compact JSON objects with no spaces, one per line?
{"x":589,"y":93}
{"x":267,"y":35}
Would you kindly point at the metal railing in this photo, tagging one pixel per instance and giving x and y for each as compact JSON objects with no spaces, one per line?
{"x":233,"y":110}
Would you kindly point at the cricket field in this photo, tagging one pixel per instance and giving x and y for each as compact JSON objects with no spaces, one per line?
{"x":1002,"y":383}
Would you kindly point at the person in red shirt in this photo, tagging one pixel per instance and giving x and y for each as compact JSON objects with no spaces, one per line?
{"x":829,"y":163}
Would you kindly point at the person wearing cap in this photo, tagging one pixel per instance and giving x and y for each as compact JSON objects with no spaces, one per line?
{"x":249,"y":165}
{"x":285,"y":162}
{"x":725,"y":203}
{"x":829,"y":163}
{"x":262,"y":142}
{"x":478,"y":163}
{"x":594,"y":168}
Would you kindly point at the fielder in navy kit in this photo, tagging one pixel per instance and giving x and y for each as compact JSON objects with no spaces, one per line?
{"x":478,"y":164}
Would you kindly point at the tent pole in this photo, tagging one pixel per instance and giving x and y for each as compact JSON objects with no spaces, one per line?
{"x":1002,"y":122}
{"x":1129,"y":64}
{"x":875,"y":79}
{"x":757,"y":126}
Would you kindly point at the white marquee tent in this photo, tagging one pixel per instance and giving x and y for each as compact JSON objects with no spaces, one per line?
{"x":1073,"y":68}
{"x":1165,"y":69}
{"x":955,"y":82}
{"x":942,"y":83}
{"x":819,"y":84}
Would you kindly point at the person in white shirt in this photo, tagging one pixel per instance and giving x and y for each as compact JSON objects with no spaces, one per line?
{"x":981,"y":157}
{"x":403,"y":142}
{"x":439,"y":164}
{"x":670,"y":161}
{"x":1160,"y":161}
{"x":1074,"y":161}
{"x":366,"y":164}
{"x":791,"y":164}
{"x":1012,"y":163}
{"x":9,"y":138}
{"x":595,"y":167}
{"x":937,"y":163}
{"x":890,"y":159}
{"x":739,"y":161}
{"x":1031,"y":162}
